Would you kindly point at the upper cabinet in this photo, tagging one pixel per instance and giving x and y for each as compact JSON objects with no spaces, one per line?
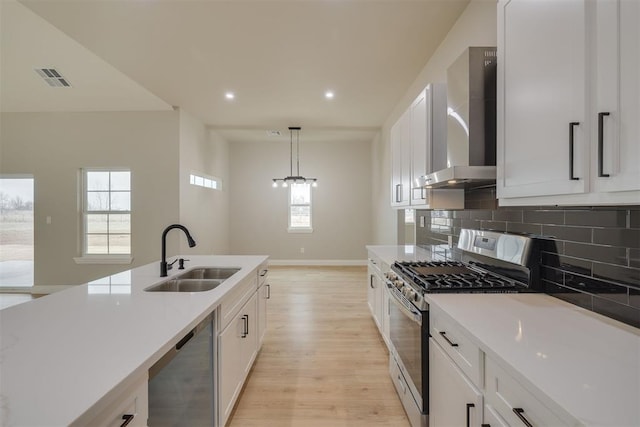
{"x":568,"y":102}
{"x":413,"y":139}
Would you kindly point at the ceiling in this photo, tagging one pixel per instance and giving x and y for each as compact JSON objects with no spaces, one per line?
{"x":278,"y":57}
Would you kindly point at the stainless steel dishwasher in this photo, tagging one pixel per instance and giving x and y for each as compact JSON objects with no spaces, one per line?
{"x":181,"y":383}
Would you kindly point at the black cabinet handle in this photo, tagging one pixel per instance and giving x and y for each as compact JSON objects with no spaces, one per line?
{"x":127,"y":419}
{"x":444,"y":335}
{"x":371,"y":281}
{"x":245,"y":326}
{"x":520,"y":414}
{"x":184,"y":340}
{"x":601,"y":117}
{"x":485,"y":425}
{"x":263,"y":273}
{"x":572,"y":125}
{"x":469,"y":406}
{"x":268,"y":291}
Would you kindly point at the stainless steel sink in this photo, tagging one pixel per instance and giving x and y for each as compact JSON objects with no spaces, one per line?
{"x":186,"y":285}
{"x":206,"y":273}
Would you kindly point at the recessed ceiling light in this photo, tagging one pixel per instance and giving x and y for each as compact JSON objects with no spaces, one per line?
{"x":229,"y":95}
{"x":329,"y":94}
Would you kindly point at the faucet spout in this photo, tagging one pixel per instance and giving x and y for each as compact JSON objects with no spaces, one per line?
{"x":163,"y":264}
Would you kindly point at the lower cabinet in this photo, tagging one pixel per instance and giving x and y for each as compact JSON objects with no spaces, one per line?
{"x":511,"y":402}
{"x":237,"y":348}
{"x":453,"y":399}
{"x":131,"y":408}
{"x":469,"y":388}
{"x":264,"y":293}
{"x":377,"y":296}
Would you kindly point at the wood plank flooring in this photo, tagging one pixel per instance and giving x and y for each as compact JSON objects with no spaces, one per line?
{"x":323,"y":362}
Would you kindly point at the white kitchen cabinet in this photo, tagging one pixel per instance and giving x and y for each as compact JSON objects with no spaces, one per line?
{"x":492,"y":419}
{"x":617,"y":102}
{"x":131,"y":404}
{"x":542,"y":77}
{"x":377,"y":296}
{"x":416,"y":138}
{"x":401,"y":161}
{"x":511,"y":402}
{"x":568,"y":102}
{"x":453,"y":399}
{"x":264,"y":294}
{"x":237,"y":348}
{"x":427,"y":137}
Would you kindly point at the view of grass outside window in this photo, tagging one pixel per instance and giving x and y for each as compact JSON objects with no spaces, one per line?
{"x":107,"y":212}
{"x":16,"y":232}
{"x":300,"y":207}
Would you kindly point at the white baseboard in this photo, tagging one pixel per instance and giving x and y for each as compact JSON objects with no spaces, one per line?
{"x":319,"y":262}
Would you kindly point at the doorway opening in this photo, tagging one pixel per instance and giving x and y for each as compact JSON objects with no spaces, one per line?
{"x":16,"y":232}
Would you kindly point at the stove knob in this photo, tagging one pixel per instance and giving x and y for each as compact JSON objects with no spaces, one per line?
{"x":398,"y":284}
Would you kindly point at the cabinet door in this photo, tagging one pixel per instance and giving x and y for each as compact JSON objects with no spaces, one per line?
{"x":420,"y":146}
{"x":264,"y":293}
{"x":229,"y":366}
{"x":542,"y":83}
{"x":616,"y":151}
{"x":400,"y":161}
{"x":237,"y":347}
{"x":453,"y":399}
{"x":492,"y":419}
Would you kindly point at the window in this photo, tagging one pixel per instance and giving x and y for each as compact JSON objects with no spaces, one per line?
{"x":205,"y":181}
{"x":107,"y":212}
{"x":300,"y":208}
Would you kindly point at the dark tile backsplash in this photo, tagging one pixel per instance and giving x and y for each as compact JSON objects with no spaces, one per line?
{"x":594,"y":261}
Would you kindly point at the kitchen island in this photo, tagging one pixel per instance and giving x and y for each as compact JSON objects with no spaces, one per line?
{"x":65,"y":357}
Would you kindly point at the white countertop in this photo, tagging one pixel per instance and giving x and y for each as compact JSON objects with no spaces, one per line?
{"x":61,"y":354}
{"x":587,"y":364}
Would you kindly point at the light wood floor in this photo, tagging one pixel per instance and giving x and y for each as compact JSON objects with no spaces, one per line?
{"x":323,"y":362}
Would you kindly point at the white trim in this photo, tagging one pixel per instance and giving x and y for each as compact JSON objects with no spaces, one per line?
{"x":319,"y":262}
{"x":104,"y":259}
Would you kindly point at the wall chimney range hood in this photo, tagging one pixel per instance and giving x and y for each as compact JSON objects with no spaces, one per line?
{"x":469,"y":159}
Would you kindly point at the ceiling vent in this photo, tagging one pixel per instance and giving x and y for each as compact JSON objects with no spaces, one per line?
{"x":274,"y":133}
{"x":52,"y":77}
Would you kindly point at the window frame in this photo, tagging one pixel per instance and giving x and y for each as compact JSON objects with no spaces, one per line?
{"x":305,"y":229}
{"x":107,"y":258}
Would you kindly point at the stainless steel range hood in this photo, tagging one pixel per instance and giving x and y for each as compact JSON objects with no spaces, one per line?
{"x":469,"y":159}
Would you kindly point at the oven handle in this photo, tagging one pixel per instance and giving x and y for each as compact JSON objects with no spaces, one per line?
{"x":411,"y":313}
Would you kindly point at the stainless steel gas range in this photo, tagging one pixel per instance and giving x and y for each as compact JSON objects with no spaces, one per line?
{"x":488,"y":262}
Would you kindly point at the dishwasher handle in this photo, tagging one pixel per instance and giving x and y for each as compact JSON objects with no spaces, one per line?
{"x":185,"y":339}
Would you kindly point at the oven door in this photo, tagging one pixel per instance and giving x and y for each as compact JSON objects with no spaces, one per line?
{"x":409,"y":334}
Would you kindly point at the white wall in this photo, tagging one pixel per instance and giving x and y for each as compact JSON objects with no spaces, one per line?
{"x":54,"y":146}
{"x":205,"y":212}
{"x":341,"y":202}
{"x":476,"y":26}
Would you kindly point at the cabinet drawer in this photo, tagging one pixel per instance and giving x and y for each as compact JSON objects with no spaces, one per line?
{"x":263,"y":269}
{"x":132,"y":402}
{"x":375,"y":264}
{"x":467,"y":356}
{"x":236,"y":298}
{"x":513,"y":403}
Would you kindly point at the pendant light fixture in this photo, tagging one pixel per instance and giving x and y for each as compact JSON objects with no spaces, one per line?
{"x":297,"y":178}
